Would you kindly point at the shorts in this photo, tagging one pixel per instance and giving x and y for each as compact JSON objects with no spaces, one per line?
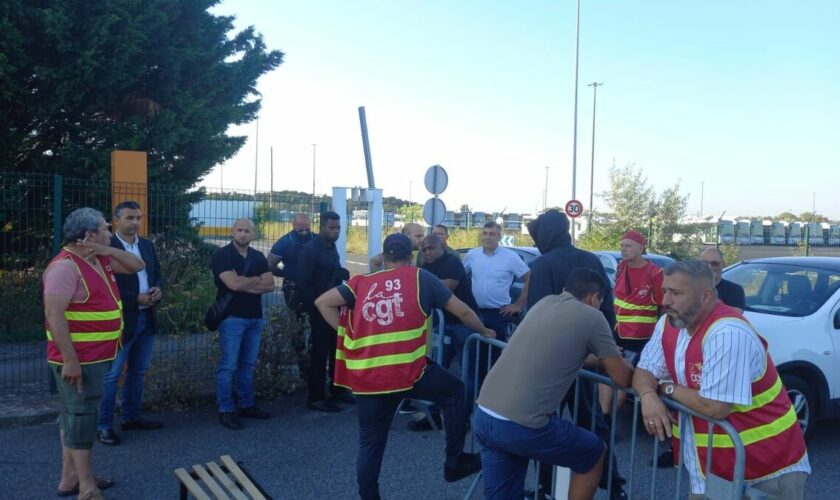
{"x":80,"y":410}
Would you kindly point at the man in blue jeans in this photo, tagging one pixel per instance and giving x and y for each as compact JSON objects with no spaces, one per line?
{"x":516,"y":418}
{"x":243,"y":272}
{"x":140,"y":292}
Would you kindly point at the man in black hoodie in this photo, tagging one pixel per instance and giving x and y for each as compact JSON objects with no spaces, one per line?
{"x":549,"y":272}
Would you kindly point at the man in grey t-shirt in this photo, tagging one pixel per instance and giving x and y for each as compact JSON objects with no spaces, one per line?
{"x":516,"y":418}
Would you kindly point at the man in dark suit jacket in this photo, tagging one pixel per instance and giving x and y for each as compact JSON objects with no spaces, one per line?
{"x":140,"y":294}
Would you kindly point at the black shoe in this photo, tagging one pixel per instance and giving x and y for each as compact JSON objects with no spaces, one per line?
{"x":323,"y":406}
{"x":665,"y":460}
{"x":342,"y":396}
{"x":468,"y":464}
{"x":141,"y":424}
{"x":254,"y":412}
{"x":108,"y":436}
{"x":618,"y":493}
{"x":423,"y":424}
{"x":230,"y":420}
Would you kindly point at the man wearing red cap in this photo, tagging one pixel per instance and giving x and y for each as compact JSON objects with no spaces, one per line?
{"x":638,"y":297}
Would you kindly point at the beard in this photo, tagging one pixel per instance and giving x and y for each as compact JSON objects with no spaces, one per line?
{"x":684,"y":319}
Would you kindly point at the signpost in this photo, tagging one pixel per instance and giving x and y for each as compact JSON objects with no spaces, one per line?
{"x":574,"y":208}
{"x":434,"y":210}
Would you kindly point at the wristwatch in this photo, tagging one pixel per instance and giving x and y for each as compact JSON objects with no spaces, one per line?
{"x":668,"y":389}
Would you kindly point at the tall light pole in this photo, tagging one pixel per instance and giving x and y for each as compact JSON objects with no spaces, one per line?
{"x":594,"y":86}
{"x":574,"y":139}
{"x":314,"y":147}
{"x":545,"y":191}
{"x":256,"y":158}
{"x":702,"y":189}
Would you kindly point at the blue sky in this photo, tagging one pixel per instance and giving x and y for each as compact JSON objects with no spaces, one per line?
{"x":741,"y":96}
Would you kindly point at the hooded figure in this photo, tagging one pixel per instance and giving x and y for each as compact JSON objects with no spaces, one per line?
{"x":559,"y":258}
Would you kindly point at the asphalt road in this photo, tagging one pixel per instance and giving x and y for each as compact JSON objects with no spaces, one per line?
{"x":305,"y":455}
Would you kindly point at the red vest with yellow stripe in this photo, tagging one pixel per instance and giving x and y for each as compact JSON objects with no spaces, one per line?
{"x":768,"y":427}
{"x":635,"y":304}
{"x":381,"y":342}
{"x":95,"y":325}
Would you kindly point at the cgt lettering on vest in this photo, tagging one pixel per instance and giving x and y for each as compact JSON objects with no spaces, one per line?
{"x":385,"y":305}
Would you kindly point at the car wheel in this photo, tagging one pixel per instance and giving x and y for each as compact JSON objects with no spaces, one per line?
{"x":803,"y":402}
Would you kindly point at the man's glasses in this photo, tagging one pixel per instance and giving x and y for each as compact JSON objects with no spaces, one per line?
{"x":426,"y":249}
{"x":302,"y":230}
{"x":713,"y":263}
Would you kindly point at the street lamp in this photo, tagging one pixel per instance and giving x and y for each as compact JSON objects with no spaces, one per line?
{"x":574,"y":139}
{"x":314,"y":147}
{"x":545,"y":191}
{"x":594,"y":86}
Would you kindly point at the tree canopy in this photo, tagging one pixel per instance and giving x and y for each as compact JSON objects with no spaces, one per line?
{"x":81,"y":78}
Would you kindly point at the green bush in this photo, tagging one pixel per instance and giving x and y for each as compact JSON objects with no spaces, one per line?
{"x":282,"y":355}
{"x":22,"y":314}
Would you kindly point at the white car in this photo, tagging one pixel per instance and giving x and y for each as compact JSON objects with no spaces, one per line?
{"x":794,"y":303}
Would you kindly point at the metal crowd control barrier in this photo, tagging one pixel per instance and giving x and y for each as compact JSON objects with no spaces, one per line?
{"x":437,"y":341}
{"x":717,"y":488}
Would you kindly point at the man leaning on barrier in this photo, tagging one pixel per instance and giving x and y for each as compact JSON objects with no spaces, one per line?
{"x":722,"y":370}
{"x":380,"y":356}
{"x":517,"y":419}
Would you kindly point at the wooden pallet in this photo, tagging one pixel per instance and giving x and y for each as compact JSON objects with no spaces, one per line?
{"x":221,"y":482}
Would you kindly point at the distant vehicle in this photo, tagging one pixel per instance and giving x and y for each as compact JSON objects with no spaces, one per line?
{"x":727,"y":232}
{"x":777,"y":233}
{"x":742,"y":230}
{"x":658,"y":259}
{"x":815,"y":234}
{"x":794,"y":233}
{"x":794,"y":303}
{"x":756,"y":232}
{"x":834,"y":234}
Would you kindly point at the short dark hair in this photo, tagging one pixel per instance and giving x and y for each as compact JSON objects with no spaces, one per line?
{"x":698,"y":273}
{"x":328,"y":216}
{"x":493,"y":224}
{"x":445,"y":229}
{"x":129,"y":204}
{"x":584,"y":281}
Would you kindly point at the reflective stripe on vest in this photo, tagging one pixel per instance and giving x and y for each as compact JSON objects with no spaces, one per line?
{"x":95,"y":325}
{"x":635,"y":312}
{"x":768,"y":428}
{"x":382,"y":342}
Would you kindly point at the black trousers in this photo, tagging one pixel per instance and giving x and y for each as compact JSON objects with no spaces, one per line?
{"x":323,"y":339}
{"x":376,"y":413}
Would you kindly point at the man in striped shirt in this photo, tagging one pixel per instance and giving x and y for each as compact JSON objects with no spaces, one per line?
{"x":726,"y":365}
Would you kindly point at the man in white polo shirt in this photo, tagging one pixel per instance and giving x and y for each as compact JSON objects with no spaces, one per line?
{"x":493,"y":270}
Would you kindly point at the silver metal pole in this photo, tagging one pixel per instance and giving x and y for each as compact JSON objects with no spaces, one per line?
{"x":574,"y":140}
{"x":312,"y":215}
{"x":256,"y":158}
{"x":545,"y":191}
{"x":366,"y":147}
{"x":594,"y":86}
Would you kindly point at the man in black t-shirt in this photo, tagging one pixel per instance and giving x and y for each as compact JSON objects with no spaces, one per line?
{"x":243,"y":272}
{"x":319,"y":270}
{"x":731,"y":294}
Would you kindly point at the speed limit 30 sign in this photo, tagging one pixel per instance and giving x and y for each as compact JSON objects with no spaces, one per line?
{"x":574,"y":208}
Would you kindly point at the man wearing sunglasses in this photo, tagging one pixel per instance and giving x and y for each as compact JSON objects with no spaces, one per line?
{"x":731,"y":294}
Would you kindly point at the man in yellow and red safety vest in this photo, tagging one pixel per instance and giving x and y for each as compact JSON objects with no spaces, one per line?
{"x":638,"y":293}
{"x":721,"y":369}
{"x":381,"y":356}
{"x":83,"y":321}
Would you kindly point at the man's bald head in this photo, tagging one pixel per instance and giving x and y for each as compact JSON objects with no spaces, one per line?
{"x":243,"y":232}
{"x":301,"y":224}
{"x":414,"y":232}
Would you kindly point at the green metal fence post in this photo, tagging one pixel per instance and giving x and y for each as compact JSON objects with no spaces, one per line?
{"x":58,"y":200}
{"x":807,"y":240}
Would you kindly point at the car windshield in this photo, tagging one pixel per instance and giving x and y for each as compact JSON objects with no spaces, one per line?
{"x":784,"y":289}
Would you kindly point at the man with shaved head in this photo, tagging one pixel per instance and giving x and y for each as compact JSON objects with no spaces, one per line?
{"x":285,"y":252}
{"x":415,"y":234}
{"x":243,"y":272}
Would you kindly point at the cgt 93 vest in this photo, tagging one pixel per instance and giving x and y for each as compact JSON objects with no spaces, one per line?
{"x":768,"y":427}
{"x":95,"y":325}
{"x":635,"y":304}
{"x":381,"y":343}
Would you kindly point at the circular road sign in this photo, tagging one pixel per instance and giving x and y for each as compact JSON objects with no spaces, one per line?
{"x":436,"y":179}
{"x":434,"y":211}
{"x":574,"y":208}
